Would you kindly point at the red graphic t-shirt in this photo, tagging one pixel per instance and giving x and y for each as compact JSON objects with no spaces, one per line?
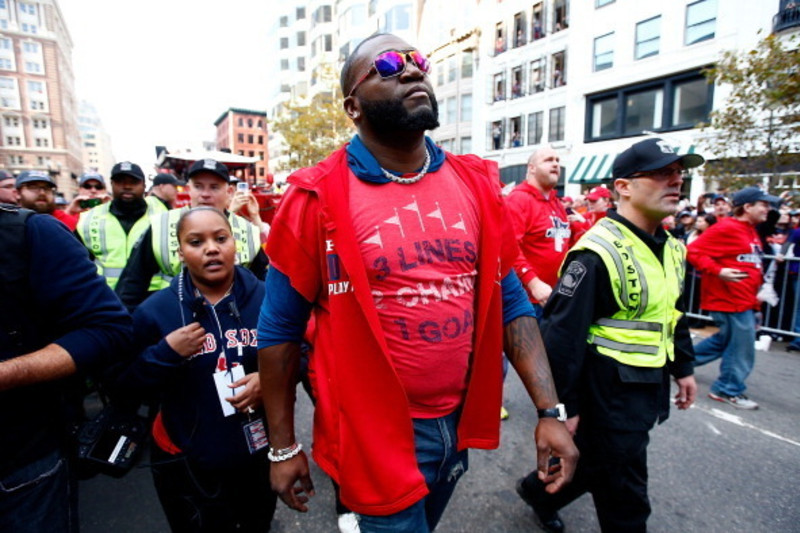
{"x":420,"y":251}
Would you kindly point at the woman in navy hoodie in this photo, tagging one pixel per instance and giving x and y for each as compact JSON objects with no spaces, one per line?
{"x":196,"y":342}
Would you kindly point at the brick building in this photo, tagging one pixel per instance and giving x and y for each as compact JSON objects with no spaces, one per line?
{"x":244,"y":132}
{"x":38,"y":108}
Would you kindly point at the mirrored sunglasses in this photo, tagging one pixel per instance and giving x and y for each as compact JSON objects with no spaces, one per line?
{"x":392,"y":63}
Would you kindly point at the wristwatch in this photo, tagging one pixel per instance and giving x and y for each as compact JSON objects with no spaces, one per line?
{"x":558,"y":412}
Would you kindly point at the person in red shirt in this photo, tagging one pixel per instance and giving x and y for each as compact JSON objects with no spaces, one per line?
{"x":599,"y":199}
{"x":404,"y":254}
{"x":541,"y":226}
{"x":37,"y":191}
{"x":728,"y":255}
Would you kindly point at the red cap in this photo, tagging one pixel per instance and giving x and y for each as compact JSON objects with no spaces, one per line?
{"x":567,"y":199}
{"x":597,"y":193}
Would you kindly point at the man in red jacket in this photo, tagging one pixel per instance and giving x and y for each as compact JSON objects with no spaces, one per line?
{"x":541,"y":226}
{"x":403,"y":252}
{"x":728,"y":255}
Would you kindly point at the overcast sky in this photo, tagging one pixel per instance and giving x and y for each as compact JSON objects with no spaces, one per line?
{"x":160,"y":72}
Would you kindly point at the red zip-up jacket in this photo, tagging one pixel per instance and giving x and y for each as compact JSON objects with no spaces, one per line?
{"x":730,"y":243}
{"x":543,"y":232}
{"x":363,"y":432}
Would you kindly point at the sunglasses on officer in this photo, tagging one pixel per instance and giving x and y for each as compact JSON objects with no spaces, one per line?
{"x":95,"y":186}
{"x":391,"y":63}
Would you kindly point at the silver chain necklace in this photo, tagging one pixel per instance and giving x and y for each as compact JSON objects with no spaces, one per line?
{"x":412,"y":179}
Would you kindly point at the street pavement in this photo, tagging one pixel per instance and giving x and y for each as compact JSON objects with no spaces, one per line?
{"x":713,"y":469}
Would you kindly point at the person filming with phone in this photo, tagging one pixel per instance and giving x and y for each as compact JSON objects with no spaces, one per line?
{"x":92,"y":192}
{"x":154,"y":259}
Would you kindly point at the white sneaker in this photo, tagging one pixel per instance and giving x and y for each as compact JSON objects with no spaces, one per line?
{"x":348,"y":523}
{"x":740,"y":402}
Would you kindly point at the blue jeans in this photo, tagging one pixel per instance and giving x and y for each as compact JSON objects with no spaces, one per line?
{"x":39,"y":498}
{"x":441,"y":464}
{"x":735,"y":344}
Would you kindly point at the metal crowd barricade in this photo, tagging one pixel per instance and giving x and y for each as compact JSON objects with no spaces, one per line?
{"x":778,"y":320}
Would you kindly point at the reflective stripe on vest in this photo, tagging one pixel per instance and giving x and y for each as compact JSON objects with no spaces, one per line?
{"x":104,"y":236}
{"x":165,"y":242}
{"x":641,"y":332}
{"x":155,"y":206}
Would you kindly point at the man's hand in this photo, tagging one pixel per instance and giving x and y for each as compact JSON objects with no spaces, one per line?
{"x":687,"y":392}
{"x":732,"y":275}
{"x":187,"y":340}
{"x":540,"y":290}
{"x":572,"y":424}
{"x":291,"y":480}
{"x":250,"y":397}
{"x":553,"y":440}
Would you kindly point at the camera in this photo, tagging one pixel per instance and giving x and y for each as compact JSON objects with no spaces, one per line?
{"x":112,"y":441}
{"x":242,"y":186}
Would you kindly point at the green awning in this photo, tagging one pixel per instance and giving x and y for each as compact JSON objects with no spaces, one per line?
{"x":593,"y":169}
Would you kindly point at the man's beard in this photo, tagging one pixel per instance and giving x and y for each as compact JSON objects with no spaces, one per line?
{"x":386,"y":116}
{"x":46,"y":209}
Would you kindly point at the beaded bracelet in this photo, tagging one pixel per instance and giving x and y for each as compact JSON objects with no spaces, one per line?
{"x":284,"y":454}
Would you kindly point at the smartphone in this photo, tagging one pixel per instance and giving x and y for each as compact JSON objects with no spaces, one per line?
{"x":242,"y":186}
{"x":89,"y":203}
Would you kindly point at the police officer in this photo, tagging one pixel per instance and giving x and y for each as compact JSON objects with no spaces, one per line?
{"x":155,"y":256}
{"x":110,"y":230}
{"x":163,"y":192}
{"x":611,"y":357}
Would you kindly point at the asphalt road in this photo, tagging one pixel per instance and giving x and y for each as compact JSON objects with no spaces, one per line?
{"x":712,"y":469}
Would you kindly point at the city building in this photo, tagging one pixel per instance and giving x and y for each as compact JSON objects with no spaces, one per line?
{"x":96,"y":150}
{"x":38,"y":127}
{"x":244,"y":132}
{"x":591,"y":77}
{"x":310,"y":39}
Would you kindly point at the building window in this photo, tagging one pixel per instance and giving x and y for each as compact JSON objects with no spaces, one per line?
{"x":516,"y":82}
{"x":30,"y":9}
{"x":559,"y":63}
{"x":301,"y":38}
{"x":496,"y":134}
{"x":519,"y":29}
{"x":328,"y":38}
{"x":643,"y":111}
{"x":500,"y":38}
{"x":240,"y":137}
{"x":499,"y":86}
{"x":690,"y":102}
{"x":466,"y":107}
{"x":250,"y":139}
{"x":701,"y":21}
{"x":537,"y":76}
{"x":648,"y":38}
{"x":284,"y":21}
{"x":397,"y":19}
{"x":451,"y":111}
{"x":537,"y":21}
{"x":9,"y":94}
{"x":466,"y":64}
{"x":249,"y":122}
{"x":322,"y":14}
{"x":601,"y":3}
{"x":29,"y":28}
{"x":284,"y":64}
{"x":5,"y":64}
{"x":439,"y":73}
{"x":673,"y":103}
{"x":516,"y":132}
{"x":284,"y":43}
{"x":11,"y":122}
{"x":604,"y":117}
{"x":452,"y":71}
{"x":556,"y":126}
{"x":560,"y":15}
{"x":37,"y":95}
{"x":300,"y":13}
{"x":466,"y":145}
{"x":33,"y":67}
{"x":301,"y":64}
{"x":604,"y":51}
{"x":241,"y":122}
{"x":535,"y":127}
